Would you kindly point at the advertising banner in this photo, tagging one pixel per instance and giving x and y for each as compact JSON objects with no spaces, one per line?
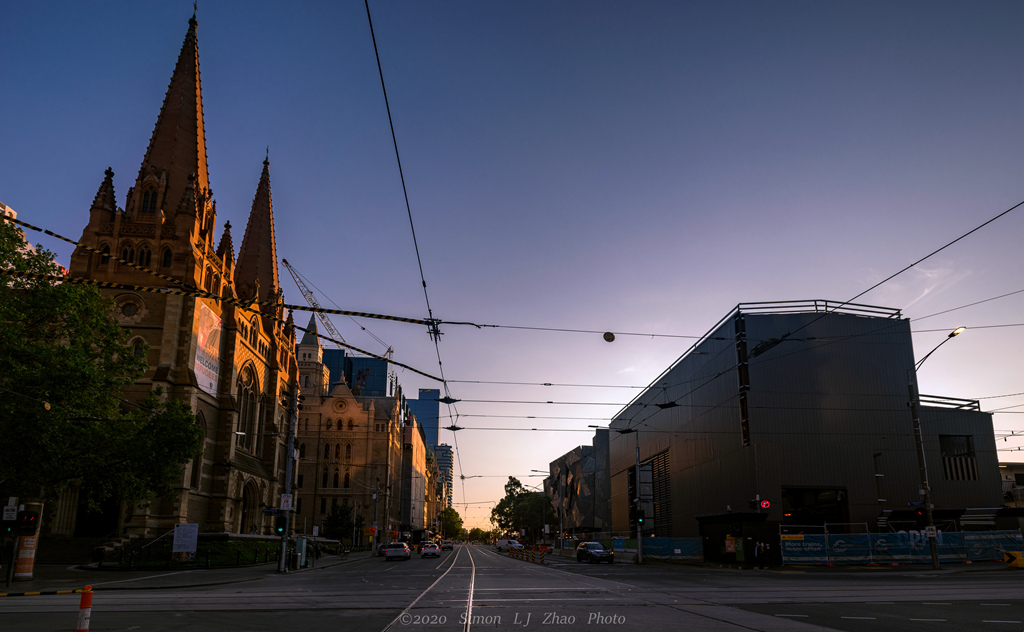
{"x":207,"y":329}
{"x":811,"y":549}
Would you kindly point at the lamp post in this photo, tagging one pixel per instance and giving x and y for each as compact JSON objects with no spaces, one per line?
{"x":925,"y":491}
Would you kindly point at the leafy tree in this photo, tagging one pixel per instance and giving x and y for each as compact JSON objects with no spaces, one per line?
{"x":522,"y":509}
{"x":339,"y":523}
{"x":63,"y":364}
{"x":451,"y":522}
{"x":478,"y":534}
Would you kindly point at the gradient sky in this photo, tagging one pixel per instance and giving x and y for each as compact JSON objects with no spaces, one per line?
{"x":611,"y":166}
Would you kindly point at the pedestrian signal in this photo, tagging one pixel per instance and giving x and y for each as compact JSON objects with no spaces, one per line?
{"x":280,"y":524}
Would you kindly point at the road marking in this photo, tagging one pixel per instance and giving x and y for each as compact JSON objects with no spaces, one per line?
{"x":880,"y":603}
{"x":987,"y":621}
{"x":791,"y":615}
{"x":927,"y":619}
{"x":935,"y":603}
{"x":861,"y":618}
{"x":995,"y":604}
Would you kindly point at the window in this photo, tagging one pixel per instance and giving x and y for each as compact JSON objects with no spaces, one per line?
{"x":328,"y":424}
{"x":323,"y":481}
{"x":323,"y":501}
{"x":336,"y":479}
{"x":139,"y":349}
{"x":958,"y":463}
{"x":348,"y":451}
{"x":351,"y":425}
{"x":302,"y":450}
{"x":327,"y":451}
{"x":254,"y":327}
{"x":149,"y":202}
{"x":128,"y":254}
{"x":165,"y":258}
{"x":298,"y":505}
{"x":104,"y":255}
{"x":337,"y":451}
{"x":298,"y":483}
{"x":145,"y":256}
{"x":346,"y":480}
{"x":248,"y":412}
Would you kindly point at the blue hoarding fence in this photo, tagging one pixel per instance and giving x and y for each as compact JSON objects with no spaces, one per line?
{"x":896,"y":548}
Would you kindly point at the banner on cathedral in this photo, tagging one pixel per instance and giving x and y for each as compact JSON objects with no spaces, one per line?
{"x":207,"y":330}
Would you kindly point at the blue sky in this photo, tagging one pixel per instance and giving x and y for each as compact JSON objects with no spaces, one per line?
{"x":633,"y":167}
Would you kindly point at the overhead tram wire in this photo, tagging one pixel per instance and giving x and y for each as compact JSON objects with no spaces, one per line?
{"x":432,"y":323}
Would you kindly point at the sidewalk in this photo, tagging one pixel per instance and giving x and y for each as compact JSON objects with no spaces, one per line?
{"x":52,"y":577}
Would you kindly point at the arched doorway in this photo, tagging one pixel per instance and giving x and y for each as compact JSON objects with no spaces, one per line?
{"x":250,"y":522}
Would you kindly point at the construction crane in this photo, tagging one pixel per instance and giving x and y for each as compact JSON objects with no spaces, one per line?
{"x":312,"y":303}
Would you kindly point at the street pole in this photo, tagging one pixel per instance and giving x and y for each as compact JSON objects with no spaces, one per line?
{"x":926,"y":490}
{"x":376,"y":528}
{"x":293,"y":415}
{"x":639,"y":529}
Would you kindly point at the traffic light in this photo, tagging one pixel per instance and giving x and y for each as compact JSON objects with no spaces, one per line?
{"x":632,"y":512}
{"x":28,"y":522}
{"x":280,"y":524}
{"x":640,"y":515}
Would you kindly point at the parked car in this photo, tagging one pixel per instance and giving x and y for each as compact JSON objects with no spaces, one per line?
{"x":398,"y":551}
{"x":504,"y":545}
{"x":594,"y":552}
{"x":430,"y":550}
{"x":447,"y":545}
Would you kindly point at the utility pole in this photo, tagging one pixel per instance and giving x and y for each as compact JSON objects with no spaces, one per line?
{"x":293,"y":415}
{"x":639,"y":530}
{"x":925,"y":491}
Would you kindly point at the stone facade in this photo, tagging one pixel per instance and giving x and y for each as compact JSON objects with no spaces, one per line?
{"x":233,"y":362}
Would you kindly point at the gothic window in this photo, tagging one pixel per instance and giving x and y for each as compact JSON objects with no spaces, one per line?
{"x":165,"y":258}
{"x":327,"y":451}
{"x":350,"y":424}
{"x":302,"y":450}
{"x":252,"y":334}
{"x":128,"y":253}
{"x":307,"y":382}
{"x":328,"y":424}
{"x":346,"y":480}
{"x":149,"y":202}
{"x":139,"y":349}
{"x":337,"y":451}
{"x":298,"y":484}
{"x":209,"y":278}
{"x":336,"y":479}
{"x":323,"y":482}
{"x":104,"y":255}
{"x":145,"y":256}
{"x":248,"y":413}
{"x":348,"y":451}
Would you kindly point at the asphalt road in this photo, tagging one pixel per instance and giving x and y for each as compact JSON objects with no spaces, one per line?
{"x":474,"y":588}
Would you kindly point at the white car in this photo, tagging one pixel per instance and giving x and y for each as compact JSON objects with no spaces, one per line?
{"x":504,"y":545}
{"x":398,"y":551}
{"x":430,"y":550}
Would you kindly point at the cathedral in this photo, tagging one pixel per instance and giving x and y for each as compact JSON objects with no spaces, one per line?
{"x":217,"y":338}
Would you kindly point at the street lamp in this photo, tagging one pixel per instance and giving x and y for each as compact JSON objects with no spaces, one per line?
{"x":925,"y":491}
{"x":639,"y":531}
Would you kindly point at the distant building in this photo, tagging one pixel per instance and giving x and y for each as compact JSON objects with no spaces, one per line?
{"x":350,"y":449}
{"x":446,"y":470}
{"x":797,"y":414}
{"x":427,"y":411}
{"x":579,"y":487}
{"x":1012,"y":475}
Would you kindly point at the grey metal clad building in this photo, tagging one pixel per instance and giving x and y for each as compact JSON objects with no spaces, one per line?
{"x":805,"y":405}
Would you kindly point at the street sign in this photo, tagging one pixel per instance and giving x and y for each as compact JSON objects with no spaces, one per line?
{"x":11,"y":512}
{"x":271,"y":512}
{"x":915,"y":503}
{"x":286,"y":502}
{"x":930,"y":532}
{"x":186,"y":538}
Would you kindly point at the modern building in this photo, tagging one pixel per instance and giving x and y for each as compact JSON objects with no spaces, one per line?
{"x":446,"y":471}
{"x":797,"y":413}
{"x":427,"y":410}
{"x":579,"y":487}
{"x":231,"y":359}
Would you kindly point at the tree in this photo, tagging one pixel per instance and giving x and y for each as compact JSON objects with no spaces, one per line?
{"x":479,"y":535}
{"x":338,"y":524}
{"x":63,"y":364}
{"x":522,"y":509}
{"x":451,"y":523}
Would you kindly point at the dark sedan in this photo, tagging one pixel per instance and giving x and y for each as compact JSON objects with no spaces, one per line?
{"x":594,"y":552}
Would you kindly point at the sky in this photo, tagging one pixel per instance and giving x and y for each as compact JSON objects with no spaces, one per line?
{"x":571,"y":167}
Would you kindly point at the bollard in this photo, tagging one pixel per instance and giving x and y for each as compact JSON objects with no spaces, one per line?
{"x":85,"y":610}
{"x":531,"y":555}
{"x":542,"y":557}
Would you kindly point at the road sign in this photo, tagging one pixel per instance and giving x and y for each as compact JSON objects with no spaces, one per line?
{"x":11,"y":512}
{"x":186,"y":538}
{"x":915,"y":503}
{"x":930,"y":532}
{"x":286,"y":502}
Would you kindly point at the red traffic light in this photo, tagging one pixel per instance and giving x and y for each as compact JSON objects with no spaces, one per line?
{"x":766,"y":504}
